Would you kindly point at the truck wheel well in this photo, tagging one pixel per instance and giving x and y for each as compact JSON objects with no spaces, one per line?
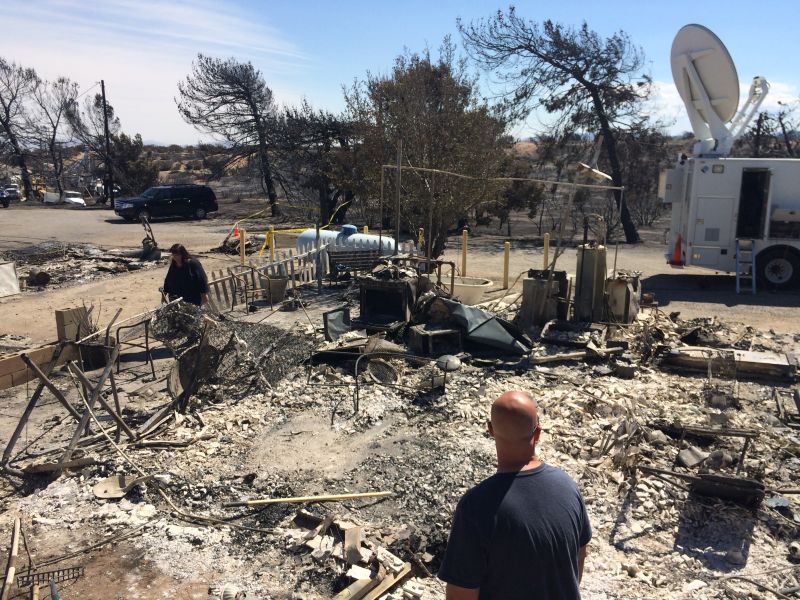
{"x":780,"y":248}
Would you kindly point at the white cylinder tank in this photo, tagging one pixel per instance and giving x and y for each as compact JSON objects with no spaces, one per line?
{"x":348,"y":237}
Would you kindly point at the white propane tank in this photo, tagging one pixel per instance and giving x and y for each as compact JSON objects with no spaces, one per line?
{"x":347,"y":237}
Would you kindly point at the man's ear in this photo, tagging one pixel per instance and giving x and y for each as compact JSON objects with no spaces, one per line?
{"x":489,"y":427}
{"x":536,"y":433}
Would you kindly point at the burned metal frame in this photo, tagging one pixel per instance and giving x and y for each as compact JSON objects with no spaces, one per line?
{"x":416,"y":261}
{"x":748,"y":434}
{"x":737,"y":489}
{"x":743,"y":491}
{"x":144,"y":346}
{"x":357,"y":392}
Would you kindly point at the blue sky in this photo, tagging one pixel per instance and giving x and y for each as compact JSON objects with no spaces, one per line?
{"x":310,"y":48}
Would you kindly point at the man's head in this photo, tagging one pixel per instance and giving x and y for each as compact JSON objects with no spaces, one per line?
{"x":179,"y":254}
{"x":515,"y":428}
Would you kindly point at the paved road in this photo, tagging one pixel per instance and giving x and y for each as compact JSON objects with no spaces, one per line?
{"x":27,"y":225}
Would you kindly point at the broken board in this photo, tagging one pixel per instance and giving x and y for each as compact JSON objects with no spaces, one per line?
{"x":745,"y":363}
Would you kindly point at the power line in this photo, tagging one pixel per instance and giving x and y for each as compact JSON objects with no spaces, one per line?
{"x":88,"y":90}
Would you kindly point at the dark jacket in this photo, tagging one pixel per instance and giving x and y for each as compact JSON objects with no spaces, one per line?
{"x":188,"y":281}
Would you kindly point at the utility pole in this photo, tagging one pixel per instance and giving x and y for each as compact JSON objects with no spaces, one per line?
{"x":108,"y":183}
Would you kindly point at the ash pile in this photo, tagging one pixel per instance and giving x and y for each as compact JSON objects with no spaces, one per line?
{"x":219,"y":358}
{"x":330,"y":463}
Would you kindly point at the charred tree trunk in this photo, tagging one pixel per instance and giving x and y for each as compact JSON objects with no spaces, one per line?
{"x":27,"y":186}
{"x":757,"y":138}
{"x":786,"y":141}
{"x":58,"y":164}
{"x":610,"y":143}
{"x":266,"y":174}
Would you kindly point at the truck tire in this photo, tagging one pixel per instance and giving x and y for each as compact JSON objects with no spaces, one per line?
{"x":778,"y":268}
{"x":143,"y":213}
{"x":200,"y":213}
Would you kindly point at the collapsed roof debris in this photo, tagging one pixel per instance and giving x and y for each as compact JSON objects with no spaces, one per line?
{"x":56,"y":264}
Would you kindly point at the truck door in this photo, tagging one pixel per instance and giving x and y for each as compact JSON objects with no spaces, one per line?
{"x":713,"y":232}
{"x":753,"y":198}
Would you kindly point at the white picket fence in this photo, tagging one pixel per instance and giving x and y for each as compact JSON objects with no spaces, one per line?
{"x":232,"y":286}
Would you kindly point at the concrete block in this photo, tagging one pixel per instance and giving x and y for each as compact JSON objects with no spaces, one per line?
{"x":68,"y":323}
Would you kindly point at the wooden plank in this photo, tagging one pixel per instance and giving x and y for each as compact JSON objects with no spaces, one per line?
{"x":746,"y":363}
{"x":11,"y":566}
{"x":388,"y":583}
{"x":223,"y":285}
{"x":359,"y":588}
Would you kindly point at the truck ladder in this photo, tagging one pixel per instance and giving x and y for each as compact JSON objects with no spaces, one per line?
{"x":745,"y":271}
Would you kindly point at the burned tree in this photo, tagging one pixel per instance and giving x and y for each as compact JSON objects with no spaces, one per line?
{"x":16,"y":88}
{"x":53,"y":100}
{"x":586,"y":81}
{"x":231,"y":100}
{"x":87,"y":123}
{"x":313,"y":148}
{"x":134,"y":168}
{"x":433,"y":105}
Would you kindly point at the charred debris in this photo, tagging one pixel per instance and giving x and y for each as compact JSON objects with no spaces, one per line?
{"x":326,"y":457}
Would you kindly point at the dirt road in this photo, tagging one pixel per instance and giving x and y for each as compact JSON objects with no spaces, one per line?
{"x":31,"y":313}
{"x":693,"y":292}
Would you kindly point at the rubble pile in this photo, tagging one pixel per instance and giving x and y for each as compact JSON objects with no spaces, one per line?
{"x":689,"y":475}
{"x":55,"y":264}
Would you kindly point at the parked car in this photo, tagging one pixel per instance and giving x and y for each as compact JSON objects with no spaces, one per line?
{"x":168,"y":201}
{"x":12,"y":192}
{"x":73,"y":198}
{"x":66,"y":197}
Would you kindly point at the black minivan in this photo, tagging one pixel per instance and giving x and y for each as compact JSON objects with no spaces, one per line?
{"x":185,"y":200}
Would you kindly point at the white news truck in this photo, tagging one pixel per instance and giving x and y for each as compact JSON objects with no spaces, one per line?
{"x":740,"y":215}
{"x":721,"y":204}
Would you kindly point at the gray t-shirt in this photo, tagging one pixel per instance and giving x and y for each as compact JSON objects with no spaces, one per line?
{"x":517,"y":536}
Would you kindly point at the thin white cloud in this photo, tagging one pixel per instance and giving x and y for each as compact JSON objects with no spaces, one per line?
{"x":142,"y":48}
{"x":781,"y":93}
{"x":666,"y":104}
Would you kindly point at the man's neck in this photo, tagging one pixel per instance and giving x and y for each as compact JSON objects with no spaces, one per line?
{"x":515,"y":466}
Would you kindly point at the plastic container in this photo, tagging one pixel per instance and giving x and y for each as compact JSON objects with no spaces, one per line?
{"x":469,"y":290}
{"x":348,"y":237}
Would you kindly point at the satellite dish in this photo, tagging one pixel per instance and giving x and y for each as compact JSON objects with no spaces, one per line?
{"x":716,"y":74}
{"x":707,"y":82}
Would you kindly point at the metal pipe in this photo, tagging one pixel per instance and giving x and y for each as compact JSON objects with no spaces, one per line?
{"x":397,"y":207}
{"x":464,"y":242}
{"x":506,"y":258}
{"x":546,"y":252}
{"x":380,"y":211}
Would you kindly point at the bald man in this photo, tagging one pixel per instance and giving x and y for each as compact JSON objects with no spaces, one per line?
{"x":521,"y":533}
